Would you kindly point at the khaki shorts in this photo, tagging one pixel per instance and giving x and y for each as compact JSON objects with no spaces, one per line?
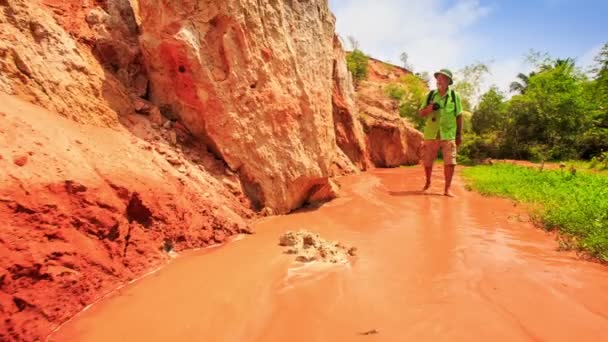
{"x":431,"y":147}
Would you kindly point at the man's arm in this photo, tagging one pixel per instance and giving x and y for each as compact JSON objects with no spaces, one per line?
{"x":426,"y":110}
{"x":459,"y":129}
{"x":459,"y":120}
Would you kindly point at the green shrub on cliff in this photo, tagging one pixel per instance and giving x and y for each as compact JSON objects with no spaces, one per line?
{"x":408,"y":91}
{"x":357,"y":63}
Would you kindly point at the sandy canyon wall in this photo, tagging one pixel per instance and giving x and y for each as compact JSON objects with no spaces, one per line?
{"x":130,"y":129}
{"x":254,"y":81}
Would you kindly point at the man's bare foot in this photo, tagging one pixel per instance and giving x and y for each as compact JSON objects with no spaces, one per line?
{"x":449,"y":193}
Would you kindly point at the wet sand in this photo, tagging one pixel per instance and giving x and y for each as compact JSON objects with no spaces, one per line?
{"x":429,"y":268}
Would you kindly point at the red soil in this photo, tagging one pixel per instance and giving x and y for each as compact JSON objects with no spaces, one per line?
{"x":84,"y":209}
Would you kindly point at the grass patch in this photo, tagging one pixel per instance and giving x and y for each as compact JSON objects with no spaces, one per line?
{"x":593,"y":166}
{"x":574,"y":203}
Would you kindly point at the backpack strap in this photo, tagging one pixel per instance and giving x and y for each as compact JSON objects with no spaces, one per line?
{"x":429,"y":97}
{"x":431,"y":94}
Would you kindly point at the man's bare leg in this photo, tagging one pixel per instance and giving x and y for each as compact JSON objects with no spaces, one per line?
{"x":448,"y":172}
{"x":428,"y":170}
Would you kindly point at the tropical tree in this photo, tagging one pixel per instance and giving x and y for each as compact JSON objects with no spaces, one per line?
{"x":567,"y":64}
{"x":594,"y":141}
{"x":404,"y":57}
{"x":521,"y":85}
{"x":548,"y":119}
{"x":490,"y":114}
{"x":425,"y":76}
{"x":354,"y":43}
{"x":468,"y":82}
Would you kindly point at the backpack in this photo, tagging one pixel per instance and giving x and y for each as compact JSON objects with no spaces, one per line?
{"x":451,"y":94}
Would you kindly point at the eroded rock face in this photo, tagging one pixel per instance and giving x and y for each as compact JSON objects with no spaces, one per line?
{"x":254,"y":81}
{"x":110,"y":30}
{"x":349,"y":133}
{"x":44,"y":64}
{"x":390,"y":139}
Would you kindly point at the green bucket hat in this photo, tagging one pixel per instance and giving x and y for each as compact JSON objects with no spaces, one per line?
{"x":447,"y":73}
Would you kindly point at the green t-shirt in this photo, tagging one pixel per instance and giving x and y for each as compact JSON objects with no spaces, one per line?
{"x":445,"y":117}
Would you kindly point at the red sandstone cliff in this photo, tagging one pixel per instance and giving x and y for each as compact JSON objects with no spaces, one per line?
{"x":391,"y":140}
{"x":129,"y":129}
{"x":254,"y":81}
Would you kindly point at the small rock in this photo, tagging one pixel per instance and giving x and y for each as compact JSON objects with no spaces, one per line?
{"x":309,"y":241}
{"x":38,"y":31}
{"x":3,"y":275}
{"x":267,"y":211}
{"x":306,"y":258}
{"x":22,"y":65}
{"x":73,"y":187}
{"x":173,"y":137}
{"x":20,"y":160}
{"x":232,"y":186}
{"x":96,"y":16}
{"x":219,"y":236}
{"x":155,"y":116}
{"x":167,"y":124}
{"x":370,"y":332}
{"x":140,"y":105}
{"x":174,"y":161}
{"x":289,"y":239}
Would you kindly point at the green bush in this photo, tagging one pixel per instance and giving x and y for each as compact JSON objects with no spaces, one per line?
{"x":357,"y":63}
{"x":395,"y":91}
{"x":489,"y":114}
{"x":475,"y":148}
{"x":600,"y":162}
{"x":415,"y":92}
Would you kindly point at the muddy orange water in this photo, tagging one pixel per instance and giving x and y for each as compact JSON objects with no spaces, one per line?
{"x":430,"y":268}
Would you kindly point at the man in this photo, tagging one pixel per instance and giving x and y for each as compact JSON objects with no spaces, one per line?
{"x":443,"y":129}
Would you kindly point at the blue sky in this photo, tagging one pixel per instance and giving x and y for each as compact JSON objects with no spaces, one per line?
{"x":454,"y":33}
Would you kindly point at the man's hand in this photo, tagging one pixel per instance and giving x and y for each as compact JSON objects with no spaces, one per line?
{"x":458,"y":138}
{"x":426,"y":110}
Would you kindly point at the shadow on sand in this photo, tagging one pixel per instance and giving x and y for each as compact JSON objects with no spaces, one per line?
{"x":414,"y":193}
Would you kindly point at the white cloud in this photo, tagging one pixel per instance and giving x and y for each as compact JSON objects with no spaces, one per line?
{"x":503,"y":72}
{"x":586,"y":60}
{"x":434,"y":35}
